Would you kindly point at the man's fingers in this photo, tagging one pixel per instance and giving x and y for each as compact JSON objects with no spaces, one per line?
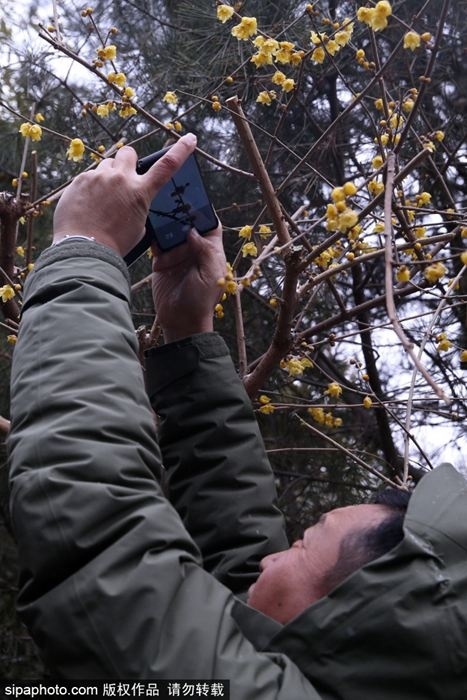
{"x":126,"y":158}
{"x":163,"y":169}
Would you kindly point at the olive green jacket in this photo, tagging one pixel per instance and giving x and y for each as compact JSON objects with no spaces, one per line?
{"x":118,"y":582}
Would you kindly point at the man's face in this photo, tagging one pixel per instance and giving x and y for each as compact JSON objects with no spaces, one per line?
{"x":292,"y":580}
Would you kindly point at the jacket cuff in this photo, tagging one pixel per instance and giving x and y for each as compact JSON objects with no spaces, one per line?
{"x":168,"y":363}
{"x":75,"y":248}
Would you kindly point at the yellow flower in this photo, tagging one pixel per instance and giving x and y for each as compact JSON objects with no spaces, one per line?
{"x":249,"y":249}
{"x":266,"y":97}
{"x":266,"y":405}
{"x":295,"y":366}
{"x":170,"y":97}
{"x":463,"y":356}
{"x":412,"y":40}
{"x":338,"y":194}
{"x":318,"y":55}
{"x":332,"y":47}
{"x":317,"y":413}
{"x":278,"y":78}
{"x":117,"y":79}
{"x":318,"y":38}
{"x":360,"y":55}
{"x":75,"y":150}
{"x":408,"y":105}
{"x":463,"y":257}
{"x":403,"y":274}
{"x":33,"y":131}
{"x":423,"y":198}
{"x":267,"y":409}
{"x":296,"y":57}
{"x":103,"y":110}
{"x":344,"y":35}
{"x":224,"y":13}
{"x":107,"y":53}
{"x":7,"y":292}
{"x":367,"y":402}
{"x":264,"y":231}
{"x":20,"y":251}
{"x":39,"y":118}
{"x":127,"y":111}
{"x":245,"y":232}
{"x":347,"y":219}
{"x":219,"y":311}
{"x":288,"y":85}
{"x":439,"y":135}
{"x":216,"y":105}
{"x":11,"y":339}
{"x":247,"y":27}
{"x":434,"y":272}
{"x":284,"y":53}
{"x":377,"y":162}
{"x":375,"y":187}
{"x":334,"y":390}
{"x":375,"y":17}
{"x":349,"y":189}
{"x":128,"y":93}
{"x":444,"y":345}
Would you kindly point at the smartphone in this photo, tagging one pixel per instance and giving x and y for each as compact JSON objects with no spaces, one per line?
{"x":181,"y":204}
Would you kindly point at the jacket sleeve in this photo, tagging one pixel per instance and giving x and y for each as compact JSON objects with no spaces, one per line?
{"x":219,"y":477}
{"x":111,"y":582}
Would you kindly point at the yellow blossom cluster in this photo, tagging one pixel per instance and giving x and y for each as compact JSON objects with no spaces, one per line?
{"x":323,"y":417}
{"x":270,"y":51}
{"x":443,"y":341}
{"x":118,"y":79}
{"x":32,"y":131}
{"x":228,"y":282}
{"x":266,"y":406}
{"x":107,"y":53}
{"x":248,"y":27}
{"x":375,"y":17}
{"x":176,"y":126}
{"x":325,"y":259}
{"x":279,"y":78}
{"x":295,"y":365}
{"x":331,"y":44}
{"x":339,"y":216}
{"x":266,"y":97}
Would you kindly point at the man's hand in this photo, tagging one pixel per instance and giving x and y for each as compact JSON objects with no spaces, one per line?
{"x":185,"y":284}
{"x":111,"y":202}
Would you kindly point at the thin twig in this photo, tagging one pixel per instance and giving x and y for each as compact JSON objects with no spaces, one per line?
{"x":259,"y":169}
{"x":347,"y":452}
{"x":388,"y":281}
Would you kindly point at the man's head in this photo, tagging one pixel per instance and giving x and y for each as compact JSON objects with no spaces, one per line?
{"x":341,"y":542}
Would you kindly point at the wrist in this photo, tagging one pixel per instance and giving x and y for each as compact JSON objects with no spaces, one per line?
{"x":173,"y":333}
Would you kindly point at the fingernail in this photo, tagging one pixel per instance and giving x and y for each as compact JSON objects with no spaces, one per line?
{"x":191,"y":139}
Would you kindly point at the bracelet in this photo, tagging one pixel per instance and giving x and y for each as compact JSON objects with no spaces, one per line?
{"x":68,"y":236}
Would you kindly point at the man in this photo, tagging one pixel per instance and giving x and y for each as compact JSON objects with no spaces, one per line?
{"x":119,"y":581}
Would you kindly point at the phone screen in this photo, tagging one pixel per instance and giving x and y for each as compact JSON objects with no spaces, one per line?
{"x":180,"y":205}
